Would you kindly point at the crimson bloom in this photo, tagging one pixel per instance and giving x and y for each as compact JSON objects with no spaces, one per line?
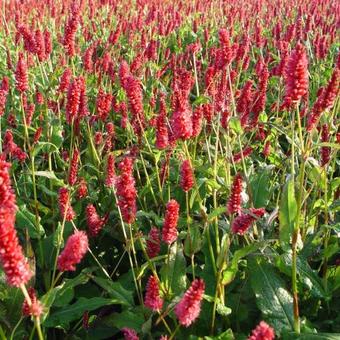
{"x":94,"y":222}
{"x":36,"y":308}
{"x":12,"y":259}
{"x":66,"y":210}
{"x":153,"y":245}
{"x":262,"y":332}
{"x":234,"y":202}
{"x":243,"y":222}
{"x":130,"y":334}
{"x":169,"y":232}
{"x":296,"y":75}
{"x":189,"y":308}
{"x":126,"y":190}
{"x":74,"y":251}
{"x":187,"y":176}
{"x":152,"y":297}
{"x":21,"y":75}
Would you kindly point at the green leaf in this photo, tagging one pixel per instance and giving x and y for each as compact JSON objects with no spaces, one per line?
{"x":25,"y":219}
{"x":174,"y":272}
{"x":227,"y":335}
{"x":230,"y":273}
{"x":306,"y":275}
{"x":146,"y":265}
{"x":216,"y":212}
{"x":193,"y":241}
{"x":66,"y":292}
{"x":50,"y":175}
{"x":129,"y":319}
{"x":235,"y":125}
{"x":272,"y":298}
{"x":116,"y":290}
{"x":311,"y":336}
{"x":260,"y":187}
{"x":223,"y":310}
{"x":64,"y":316}
{"x":201,"y":100}
{"x":46,"y":146}
{"x":287,"y":211}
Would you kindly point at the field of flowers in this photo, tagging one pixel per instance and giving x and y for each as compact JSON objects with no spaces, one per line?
{"x":168,"y":169}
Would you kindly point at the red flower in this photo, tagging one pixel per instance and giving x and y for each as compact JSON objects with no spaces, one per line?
{"x":65,"y":80}
{"x":36,"y":308}
{"x":325,"y":150}
{"x":82,"y":188}
{"x":189,"y":308}
{"x":126,"y":190}
{"x":153,"y":246}
{"x":245,"y":152}
{"x":130,"y":334}
{"x":94,"y":222}
{"x":39,"y":45}
{"x":74,"y":251}
{"x":169,"y":232}
{"x":72,"y":177}
{"x":266,"y":149}
{"x":187,"y":176}
{"x":12,"y":258}
{"x":37,"y":135}
{"x":162,"y":137}
{"x":73,"y":100}
{"x":103,"y":104}
{"x":70,"y":34}
{"x":181,"y":123}
{"x":296,"y":76}
{"x":4,"y":88}
{"x":234,"y":202}
{"x":243,"y":222}
{"x":197,"y":119}
{"x":21,"y":75}
{"x":262,"y":332}
{"x":326,"y":99}
{"x":152,"y":297}
{"x":66,"y":210}
{"x":110,"y":171}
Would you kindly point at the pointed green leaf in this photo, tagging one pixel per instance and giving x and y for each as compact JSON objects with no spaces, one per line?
{"x":272,"y":297}
{"x":287,"y":211}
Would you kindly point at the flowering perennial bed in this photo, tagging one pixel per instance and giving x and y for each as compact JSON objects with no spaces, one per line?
{"x":168,"y":169}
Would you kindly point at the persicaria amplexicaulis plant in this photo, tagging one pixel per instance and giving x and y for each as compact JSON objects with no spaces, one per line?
{"x":167,"y":168}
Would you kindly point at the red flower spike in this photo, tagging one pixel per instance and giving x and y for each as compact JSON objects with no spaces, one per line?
{"x":82,"y":188}
{"x":189,"y":308}
{"x":130,"y":334}
{"x":75,"y":249}
{"x":262,"y":332}
{"x":169,"y":232}
{"x":72,"y":177}
{"x":243,"y":222}
{"x":153,"y":244}
{"x":126,"y":190}
{"x":36,"y":308}
{"x":66,"y":210}
{"x":13,"y":262}
{"x":325,"y":150}
{"x":234,"y":202}
{"x":21,"y":75}
{"x":152,"y":298}
{"x":110,"y":171}
{"x":296,"y":76}
{"x":94,"y":222}
{"x":187,"y":176}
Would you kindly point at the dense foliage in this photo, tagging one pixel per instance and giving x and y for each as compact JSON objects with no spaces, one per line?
{"x":168,"y":169}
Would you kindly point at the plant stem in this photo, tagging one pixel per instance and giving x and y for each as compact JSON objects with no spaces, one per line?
{"x":36,"y":319}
